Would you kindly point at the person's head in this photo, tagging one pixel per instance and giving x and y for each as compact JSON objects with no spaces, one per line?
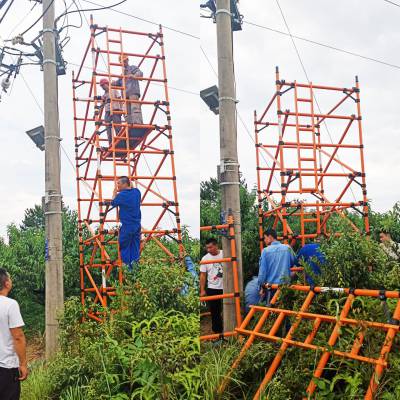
{"x":384,"y":236}
{"x":270,"y":236}
{"x":123,"y":59}
{"x":5,"y":282}
{"x":123,"y":183}
{"x":104,"y":84}
{"x":212,"y":246}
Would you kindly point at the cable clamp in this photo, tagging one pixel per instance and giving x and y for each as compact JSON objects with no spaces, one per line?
{"x":52,"y":212}
{"x":49,"y":30}
{"x":53,"y":137}
{"x":223,"y":11}
{"x":229,"y":183}
{"x":48,"y":61}
{"x":228,"y":98}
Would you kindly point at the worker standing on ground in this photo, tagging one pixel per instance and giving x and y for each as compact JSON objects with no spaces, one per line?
{"x":211,"y":282}
{"x":275,"y":262}
{"x":13,"y":364}
{"x":132,"y":90}
{"x":111,"y":114}
{"x":128,"y":200}
{"x":311,"y":254}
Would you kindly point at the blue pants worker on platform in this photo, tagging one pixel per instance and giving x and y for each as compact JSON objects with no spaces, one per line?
{"x":128,"y":200}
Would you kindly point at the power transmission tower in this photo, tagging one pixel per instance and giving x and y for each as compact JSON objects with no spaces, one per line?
{"x":52,"y":201}
{"x":229,"y":167}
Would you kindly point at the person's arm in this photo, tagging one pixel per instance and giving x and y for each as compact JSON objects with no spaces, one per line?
{"x":135,"y":73}
{"x":115,"y":198}
{"x":20,"y":348}
{"x":262,"y":275}
{"x":203,"y":279}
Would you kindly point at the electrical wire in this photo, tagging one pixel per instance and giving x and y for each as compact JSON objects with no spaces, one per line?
{"x":6,"y":11}
{"x":392,"y":3}
{"x":100,"y":8}
{"x":148,"y":21}
{"x":324,"y":45}
{"x":43,"y":14}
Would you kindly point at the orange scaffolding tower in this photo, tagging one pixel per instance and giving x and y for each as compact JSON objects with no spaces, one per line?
{"x":267,"y":321}
{"x":310,"y":164}
{"x":141,"y":149}
{"x":230,"y":261}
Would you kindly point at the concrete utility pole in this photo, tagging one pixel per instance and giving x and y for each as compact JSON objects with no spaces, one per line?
{"x":53,"y":222}
{"x":229,"y":167}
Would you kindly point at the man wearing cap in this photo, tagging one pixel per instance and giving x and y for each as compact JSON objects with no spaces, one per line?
{"x":132,"y":75}
{"x":112,"y":109}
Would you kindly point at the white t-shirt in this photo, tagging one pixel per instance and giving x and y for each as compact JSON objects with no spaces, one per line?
{"x":10,"y":317}
{"x":214,"y":271}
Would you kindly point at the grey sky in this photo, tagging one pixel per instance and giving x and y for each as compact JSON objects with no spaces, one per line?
{"x":22,"y":164}
{"x":368,"y":27}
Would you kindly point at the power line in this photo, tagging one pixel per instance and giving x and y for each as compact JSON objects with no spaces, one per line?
{"x":392,"y":2}
{"x":148,"y":21}
{"x":43,"y":14}
{"x":323,"y":45}
{"x":6,"y":11}
{"x":100,"y":8}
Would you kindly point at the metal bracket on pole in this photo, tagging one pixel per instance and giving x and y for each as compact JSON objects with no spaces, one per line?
{"x":223,"y":11}
{"x":228,"y":98}
{"x":52,"y":212}
{"x":48,"y":61}
{"x":224,"y":164}
{"x":48,"y":30}
{"x":53,"y":137}
{"x":229,"y":183}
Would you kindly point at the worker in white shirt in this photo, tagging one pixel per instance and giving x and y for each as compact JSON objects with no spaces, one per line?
{"x":13,"y":364}
{"x":211,"y":282}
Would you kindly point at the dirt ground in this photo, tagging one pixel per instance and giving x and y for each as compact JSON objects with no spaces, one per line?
{"x":35,"y":349}
{"x":205,"y":325}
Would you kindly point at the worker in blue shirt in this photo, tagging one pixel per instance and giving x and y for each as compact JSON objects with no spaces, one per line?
{"x":128,"y":200}
{"x":275,"y":262}
{"x":310,"y":254}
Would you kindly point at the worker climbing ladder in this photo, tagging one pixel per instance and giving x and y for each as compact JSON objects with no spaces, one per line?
{"x":134,"y":139}
{"x":310,"y":163}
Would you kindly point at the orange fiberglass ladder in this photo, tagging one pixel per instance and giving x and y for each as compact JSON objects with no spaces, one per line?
{"x":142,"y":151}
{"x":263,"y":323}
{"x":310,"y":164}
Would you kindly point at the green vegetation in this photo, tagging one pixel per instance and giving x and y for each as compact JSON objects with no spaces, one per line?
{"x":353,"y":260}
{"x":148,"y":346}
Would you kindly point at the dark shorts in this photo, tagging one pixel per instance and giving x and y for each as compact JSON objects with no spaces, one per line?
{"x":10,"y":386}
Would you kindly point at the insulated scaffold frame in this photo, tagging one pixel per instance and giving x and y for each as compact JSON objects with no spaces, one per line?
{"x":106,"y":148}
{"x":229,"y":262}
{"x":300,"y":167}
{"x":391,"y":328}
